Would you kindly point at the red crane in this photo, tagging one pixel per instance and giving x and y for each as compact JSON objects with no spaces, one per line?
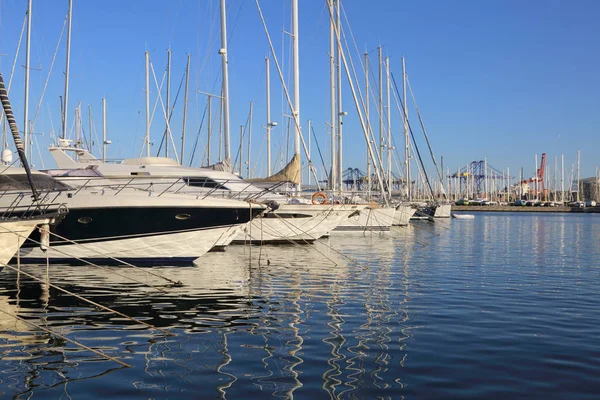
{"x":539,"y":178}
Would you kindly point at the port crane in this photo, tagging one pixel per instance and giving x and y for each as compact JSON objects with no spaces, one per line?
{"x":539,"y":178}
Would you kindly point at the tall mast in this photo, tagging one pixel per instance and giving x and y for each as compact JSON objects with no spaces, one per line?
{"x":185,"y":101}
{"x":104,"y":143}
{"x":225,"y":88}
{"x":241,"y":147}
{"x":209,"y":130}
{"x":147,"y":139}
{"x":485,"y":178}
{"x":406,"y":138}
{"x":508,"y":183}
{"x":68,"y":64}
{"x":309,"y":134}
{"x":358,"y":107}
{"x":389,"y":128}
{"x":168,"y":130}
{"x":367,"y":101}
{"x":90,"y":127}
{"x":340,"y":112}
{"x":78,"y":125}
{"x":27,"y":61}
{"x":562,"y":179}
{"x":380,"y":98}
{"x":332,"y":84}
{"x":555,"y":177}
{"x":578,"y":169}
{"x":249,"y":139}
{"x":536,"y":177}
{"x":267,"y":66}
{"x":296,"y":74}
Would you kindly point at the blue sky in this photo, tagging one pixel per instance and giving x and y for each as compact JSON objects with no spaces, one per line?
{"x":505,"y":80}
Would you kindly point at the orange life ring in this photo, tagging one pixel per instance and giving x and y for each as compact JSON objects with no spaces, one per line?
{"x":319,"y":195}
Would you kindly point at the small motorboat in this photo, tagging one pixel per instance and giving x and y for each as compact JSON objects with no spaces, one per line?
{"x":463,"y":216}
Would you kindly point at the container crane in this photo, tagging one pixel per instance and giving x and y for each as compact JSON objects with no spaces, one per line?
{"x":539,"y":178}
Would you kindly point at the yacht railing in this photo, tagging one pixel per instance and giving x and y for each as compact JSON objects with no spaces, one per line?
{"x":162,"y":186}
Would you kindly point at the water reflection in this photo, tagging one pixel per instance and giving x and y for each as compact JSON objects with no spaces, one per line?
{"x":250,"y":322}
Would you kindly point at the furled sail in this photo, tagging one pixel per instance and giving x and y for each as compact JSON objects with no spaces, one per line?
{"x":289,"y":173}
{"x":224,"y":165}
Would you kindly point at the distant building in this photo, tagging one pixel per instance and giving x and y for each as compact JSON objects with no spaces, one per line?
{"x":590,"y":189}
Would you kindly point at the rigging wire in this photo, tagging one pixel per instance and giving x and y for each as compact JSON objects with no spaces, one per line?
{"x":426,"y":136}
{"x":413,"y":136}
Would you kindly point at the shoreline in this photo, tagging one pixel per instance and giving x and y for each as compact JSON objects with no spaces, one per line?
{"x":595,"y":209}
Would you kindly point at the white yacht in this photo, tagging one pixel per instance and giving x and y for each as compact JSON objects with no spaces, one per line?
{"x":124,"y":222}
{"x":291,"y":219}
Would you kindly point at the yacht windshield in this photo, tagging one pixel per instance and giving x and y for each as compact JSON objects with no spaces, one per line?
{"x":19,"y":182}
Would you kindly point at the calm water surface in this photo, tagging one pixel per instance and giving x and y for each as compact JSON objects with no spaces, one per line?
{"x":502,"y":306}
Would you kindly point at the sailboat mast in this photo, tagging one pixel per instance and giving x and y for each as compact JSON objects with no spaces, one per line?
{"x":27,"y":61}
{"x":249,"y":139}
{"x":578,"y":170}
{"x":104,"y":143}
{"x":225,"y":88}
{"x":296,"y":74}
{"x":67,"y":68}
{"x":147,"y":138}
{"x":90,"y":127}
{"x":268,"y":71}
{"x":389,"y":128}
{"x":340,"y":112}
{"x":168,"y":130}
{"x":367,"y":101}
{"x":562,"y":179}
{"x":380,"y":98}
{"x":332,"y":84}
{"x":185,"y":101}
{"x":78,"y":125}
{"x":209,"y":130}
{"x":309,"y":135}
{"x":357,"y":105}
{"x":406,"y":138}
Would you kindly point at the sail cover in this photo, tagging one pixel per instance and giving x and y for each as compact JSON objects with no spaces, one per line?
{"x":289,"y":173}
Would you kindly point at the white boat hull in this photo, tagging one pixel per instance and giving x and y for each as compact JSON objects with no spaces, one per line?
{"x":173,"y":247}
{"x":403,"y":215}
{"x":442,"y":211}
{"x":299,"y":223}
{"x":369,"y":219}
{"x":12,"y":235}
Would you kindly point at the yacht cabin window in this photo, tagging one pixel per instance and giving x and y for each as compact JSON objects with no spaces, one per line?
{"x":203,"y":182}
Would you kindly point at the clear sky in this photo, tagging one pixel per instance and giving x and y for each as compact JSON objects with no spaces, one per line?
{"x":504,"y":80}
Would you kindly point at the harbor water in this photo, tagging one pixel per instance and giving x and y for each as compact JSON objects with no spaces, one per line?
{"x":503,"y":305}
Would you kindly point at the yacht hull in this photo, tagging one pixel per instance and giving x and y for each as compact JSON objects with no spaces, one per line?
{"x":368,"y":220}
{"x":168,"y":248}
{"x":295,"y":223}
